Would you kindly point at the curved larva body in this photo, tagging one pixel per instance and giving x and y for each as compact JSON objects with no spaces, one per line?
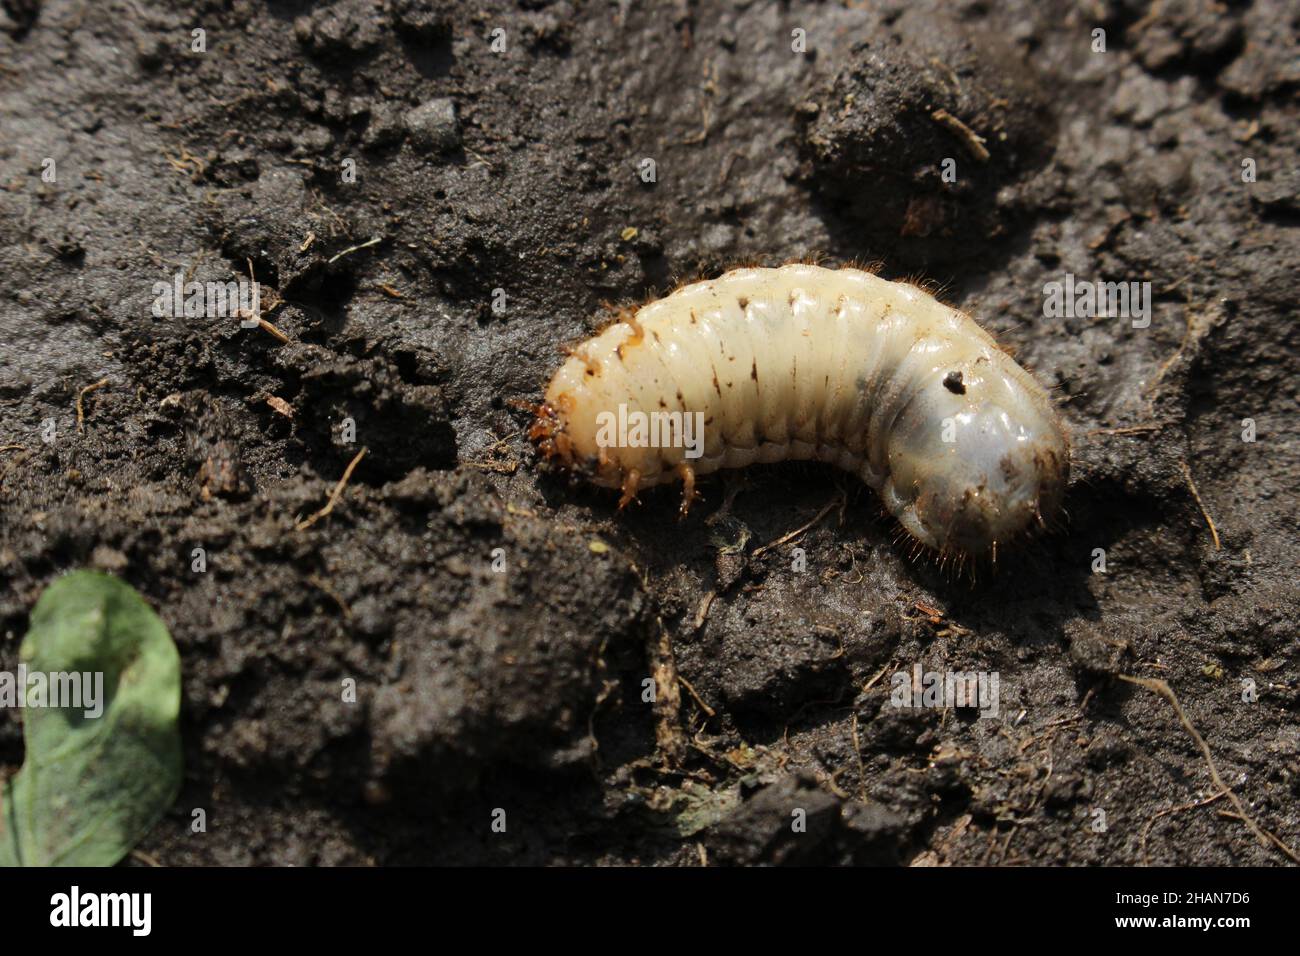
{"x":802,"y":362}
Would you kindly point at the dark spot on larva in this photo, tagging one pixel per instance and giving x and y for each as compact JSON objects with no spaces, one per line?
{"x":953,"y":383}
{"x":693,"y":318}
{"x":743,"y":302}
{"x":753,"y":372}
{"x":680,"y":396}
{"x":716,"y":387}
{"x":656,"y":335}
{"x":662,"y":403}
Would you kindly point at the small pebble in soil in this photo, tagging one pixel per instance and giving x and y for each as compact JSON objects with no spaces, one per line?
{"x":433,"y":126}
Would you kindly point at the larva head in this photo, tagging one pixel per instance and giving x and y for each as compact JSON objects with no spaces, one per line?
{"x":977,"y":457}
{"x":568,"y":428}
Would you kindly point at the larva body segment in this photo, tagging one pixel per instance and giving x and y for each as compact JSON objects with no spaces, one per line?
{"x":803,"y":362}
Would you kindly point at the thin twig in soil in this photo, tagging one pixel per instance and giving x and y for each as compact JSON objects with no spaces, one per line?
{"x":81,"y":395}
{"x":262,"y":323}
{"x":879,"y":674}
{"x":280,"y":405}
{"x":1214,"y":532}
{"x":351,"y":249}
{"x":972,"y":140}
{"x":607,"y":688}
{"x":703,"y":612}
{"x":862,"y":768}
{"x":785,"y":538}
{"x":1191,"y":334}
{"x":1157,"y":686}
{"x":698,"y":699}
{"x":669,"y":736}
{"x":336,"y":494}
{"x":1128,"y":430}
{"x":267,"y":327}
{"x":507,"y":467}
{"x":316,"y":582}
{"x":1146,"y":830}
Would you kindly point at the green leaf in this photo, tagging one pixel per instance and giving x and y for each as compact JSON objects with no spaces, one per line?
{"x":92,"y":786}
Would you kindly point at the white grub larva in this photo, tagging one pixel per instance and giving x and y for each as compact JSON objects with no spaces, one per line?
{"x":836,"y":365}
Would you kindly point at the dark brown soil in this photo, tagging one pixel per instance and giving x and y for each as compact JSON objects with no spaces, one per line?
{"x":521,"y":689}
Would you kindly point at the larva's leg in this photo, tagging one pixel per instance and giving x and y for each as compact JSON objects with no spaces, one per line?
{"x":637,"y":336}
{"x":630,"y":483}
{"x":687,"y":475}
{"x":638,"y":333}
